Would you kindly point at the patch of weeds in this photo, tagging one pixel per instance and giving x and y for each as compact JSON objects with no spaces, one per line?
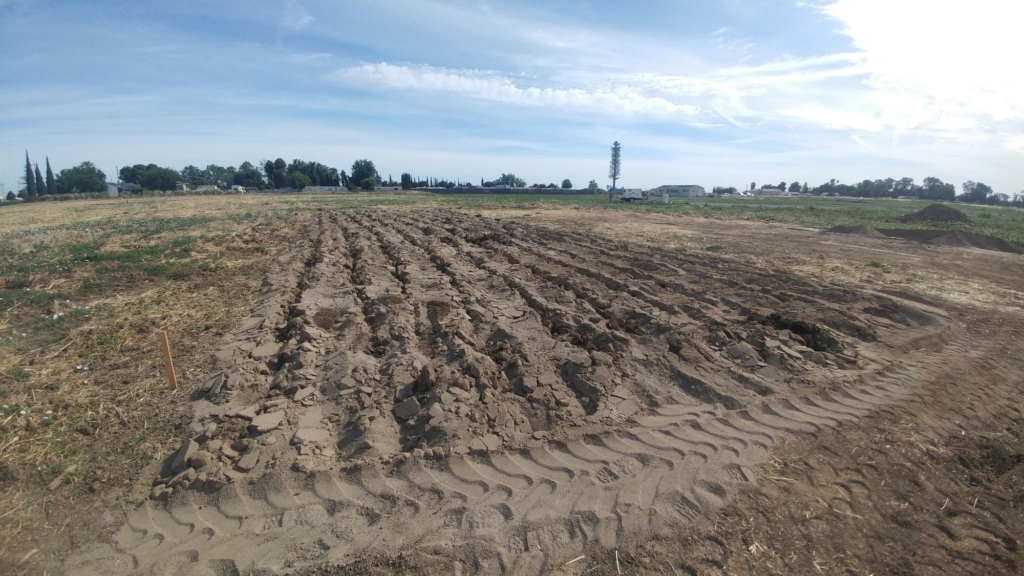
{"x":12,"y":410}
{"x":879,"y":265}
{"x":157,"y":270}
{"x":105,"y":339}
{"x":715,"y":248}
{"x":19,"y":374}
{"x":181,"y":425}
{"x":134,"y":442}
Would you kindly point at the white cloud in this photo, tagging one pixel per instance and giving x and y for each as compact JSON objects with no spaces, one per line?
{"x":616,"y":100}
{"x":295,"y":16}
{"x":933,"y":61}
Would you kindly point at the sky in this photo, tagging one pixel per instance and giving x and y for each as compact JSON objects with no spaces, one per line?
{"x":715,"y":92}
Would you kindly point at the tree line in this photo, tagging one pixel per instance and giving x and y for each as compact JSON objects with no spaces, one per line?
{"x":931,"y":188}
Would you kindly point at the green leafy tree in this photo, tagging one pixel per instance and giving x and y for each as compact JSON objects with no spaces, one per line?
{"x":248,"y":176}
{"x":363,"y":170}
{"x":593,"y":185}
{"x":159,"y":178}
{"x":84,"y":178}
{"x":280,"y":173}
{"x":406,"y":181}
{"x":805,"y":189}
{"x":567,"y":184}
{"x":794,"y":187}
{"x":30,"y":178}
{"x":133,"y":174}
{"x":298,"y":180}
{"x":193,"y":176}
{"x":975,"y":192}
{"x":40,"y":183}
{"x":51,"y":183}
{"x":615,"y":165}
{"x":752,"y":186}
{"x":933,"y":188}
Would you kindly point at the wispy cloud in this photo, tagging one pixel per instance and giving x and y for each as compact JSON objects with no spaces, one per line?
{"x":295,"y":16}
{"x":484,"y":85}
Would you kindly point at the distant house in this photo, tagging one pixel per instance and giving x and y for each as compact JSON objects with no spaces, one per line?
{"x":324,"y":189}
{"x":251,"y":190}
{"x":678,"y":191}
{"x":206,"y":187}
{"x":115,"y":189}
{"x":237,"y":188}
{"x":181,"y":187}
{"x":769,"y":191}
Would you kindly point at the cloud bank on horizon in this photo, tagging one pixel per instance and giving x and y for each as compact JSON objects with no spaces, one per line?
{"x":721,"y":93}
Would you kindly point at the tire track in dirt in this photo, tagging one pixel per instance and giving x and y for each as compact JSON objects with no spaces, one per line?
{"x":388,"y":293}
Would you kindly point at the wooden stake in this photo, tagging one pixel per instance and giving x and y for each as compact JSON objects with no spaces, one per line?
{"x":167,"y":360}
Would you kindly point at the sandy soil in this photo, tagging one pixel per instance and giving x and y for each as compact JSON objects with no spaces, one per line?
{"x":435,"y":392}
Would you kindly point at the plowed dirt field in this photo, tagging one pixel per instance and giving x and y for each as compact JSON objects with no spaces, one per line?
{"x":438,"y":392}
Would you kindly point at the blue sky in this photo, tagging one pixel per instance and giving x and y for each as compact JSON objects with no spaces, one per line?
{"x":715,"y":92}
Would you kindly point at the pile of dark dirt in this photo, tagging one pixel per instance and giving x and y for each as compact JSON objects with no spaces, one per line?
{"x":955,"y":238}
{"x":936,"y":213}
{"x":866,"y":231}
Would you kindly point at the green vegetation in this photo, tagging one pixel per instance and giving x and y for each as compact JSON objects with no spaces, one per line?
{"x":1005,"y":223}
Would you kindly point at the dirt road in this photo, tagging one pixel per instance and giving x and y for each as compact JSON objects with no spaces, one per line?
{"x":440,"y":392}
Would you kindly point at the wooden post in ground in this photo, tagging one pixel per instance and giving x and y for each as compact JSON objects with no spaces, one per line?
{"x":167,"y":360}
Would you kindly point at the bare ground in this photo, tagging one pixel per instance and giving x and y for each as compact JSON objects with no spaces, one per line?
{"x":447,"y":392}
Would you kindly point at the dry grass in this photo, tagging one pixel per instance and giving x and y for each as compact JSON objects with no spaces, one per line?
{"x":83,"y":300}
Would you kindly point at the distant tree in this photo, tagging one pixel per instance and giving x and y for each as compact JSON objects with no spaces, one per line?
{"x":752,"y":186}
{"x":362,"y":170}
{"x":249,"y":176}
{"x":567,"y":184}
{"x":933,"y":188}
{"x":904,"y":187}
{"x":132,"y":174}
{"x":40,"y":183}
{"x":11,"y":197}
{"x":794,"y":187}
{"x":510,"y":180}
{"x":268,"y":170}
{"x":51,"y":183}
{"x":159,"y":178}
{"x":805,"y":189}
{"x":84,"y":178}
{"x":193,"y":176}
{"x":593,"y":185}
{"x":369,"y":183}
{"x":615,"y":164}
{"x":406,"y":181}
{"x":782,"y":185}
{"x":280,"y":174}
{"x":30,"y":178}
{"x":975,"y":192}
{"x":298,"y":180}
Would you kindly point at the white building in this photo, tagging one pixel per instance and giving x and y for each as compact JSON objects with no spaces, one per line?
{"x":678,"y":191}
{"x":115,"y":189}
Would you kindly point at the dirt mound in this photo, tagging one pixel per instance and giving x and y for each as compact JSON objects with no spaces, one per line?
{"x":866,"y":231}
{"x":423,"y":378}
{"x":955,"y":238}
{"x":971,"y":240}
{"x":936,"y":213}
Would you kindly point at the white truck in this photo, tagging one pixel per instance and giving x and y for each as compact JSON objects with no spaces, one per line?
{"x":632,"y":194}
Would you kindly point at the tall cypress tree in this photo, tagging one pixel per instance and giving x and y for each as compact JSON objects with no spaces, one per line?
{"x":40,"y":184}
{"x":51,"y":184}
{"x":30,"y":178}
